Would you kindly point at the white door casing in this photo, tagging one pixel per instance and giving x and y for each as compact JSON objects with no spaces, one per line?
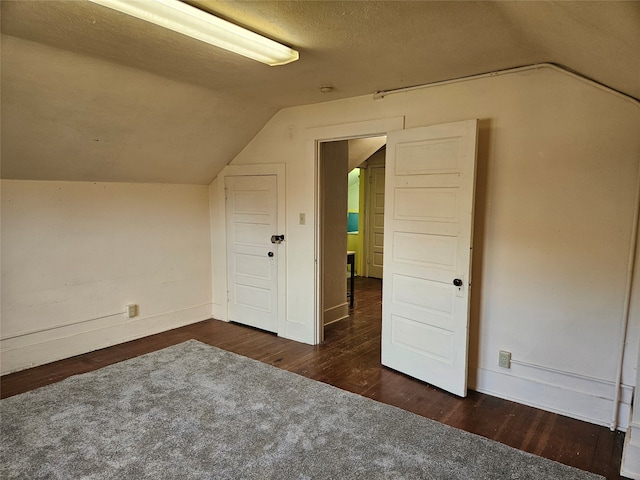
{"x":251,"y":213}
{"x":313,"y":138}
{"x":428,"y":231}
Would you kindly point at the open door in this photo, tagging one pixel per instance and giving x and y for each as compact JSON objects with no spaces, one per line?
{"x":428,"y":227}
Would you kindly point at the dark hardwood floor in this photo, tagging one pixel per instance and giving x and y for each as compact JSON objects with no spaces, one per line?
{"x":350,"y":359}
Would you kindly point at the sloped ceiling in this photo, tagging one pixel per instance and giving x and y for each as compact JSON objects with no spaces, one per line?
{"x":91,"y":94}
{"x":360,"y":149}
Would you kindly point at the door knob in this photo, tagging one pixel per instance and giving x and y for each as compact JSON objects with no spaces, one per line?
{"x":457,"y":282}
{"x":270,"y":254}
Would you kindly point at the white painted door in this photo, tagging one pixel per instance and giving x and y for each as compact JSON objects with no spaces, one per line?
{"x":375,"y":221}
{"x":428,"y":227}
{"x":252,"y":266}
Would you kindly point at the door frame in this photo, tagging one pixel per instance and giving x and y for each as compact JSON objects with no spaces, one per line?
{"x":277,"y":169}
{"x":314,"y":137}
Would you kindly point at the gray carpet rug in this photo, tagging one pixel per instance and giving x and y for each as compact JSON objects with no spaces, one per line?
{"x":193,"y":411}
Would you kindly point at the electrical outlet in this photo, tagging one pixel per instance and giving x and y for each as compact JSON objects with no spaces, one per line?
{"x":131,"y":310}
{"x":504,"y":359}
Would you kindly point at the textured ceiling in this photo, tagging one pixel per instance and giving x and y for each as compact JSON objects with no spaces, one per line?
{"x":92,"y":94}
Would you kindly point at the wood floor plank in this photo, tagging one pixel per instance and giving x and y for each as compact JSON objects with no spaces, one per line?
{"x":350,"y":359}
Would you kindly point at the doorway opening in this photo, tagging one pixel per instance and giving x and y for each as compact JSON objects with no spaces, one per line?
{"x":351,"y":226}
{"x":429,"y":190}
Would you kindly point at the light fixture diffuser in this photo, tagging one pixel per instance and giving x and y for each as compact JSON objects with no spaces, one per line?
{"x":195,"y":23}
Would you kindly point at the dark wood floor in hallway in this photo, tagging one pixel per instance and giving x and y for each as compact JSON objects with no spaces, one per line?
{"x":350,"y":359}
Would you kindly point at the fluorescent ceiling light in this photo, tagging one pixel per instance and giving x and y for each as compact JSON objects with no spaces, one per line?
{"x":195,"y":23}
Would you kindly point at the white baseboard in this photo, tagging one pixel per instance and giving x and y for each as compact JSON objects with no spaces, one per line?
{"x":298,"y":332}
{"x":67,"y":341}
{"x":336,"y":313}
{"x":590,"y":400}
{"x":630,"y":466}
{"x":219,"y":311}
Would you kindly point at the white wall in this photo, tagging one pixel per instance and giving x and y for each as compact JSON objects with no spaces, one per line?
{"x":334,"y":157}
{"x":557,"y":175}
{"x":77,"y":251}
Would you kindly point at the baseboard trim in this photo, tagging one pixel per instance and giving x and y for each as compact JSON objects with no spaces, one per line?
{"x":590,"y":401}
{"x":67,"y":341}
{"x":297,"y":331}
{"x":630,"y":466}
{"x":219,"y":311}
{"x":336,"y":313}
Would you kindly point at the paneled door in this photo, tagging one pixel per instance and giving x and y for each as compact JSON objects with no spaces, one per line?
{"x":252,"y":266}
{"x":375,"y":221}
{"x":430,"y":184}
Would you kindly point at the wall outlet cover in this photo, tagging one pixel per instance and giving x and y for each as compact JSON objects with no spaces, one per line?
{"x":131,"y":310}
{"x":504,"y":359}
